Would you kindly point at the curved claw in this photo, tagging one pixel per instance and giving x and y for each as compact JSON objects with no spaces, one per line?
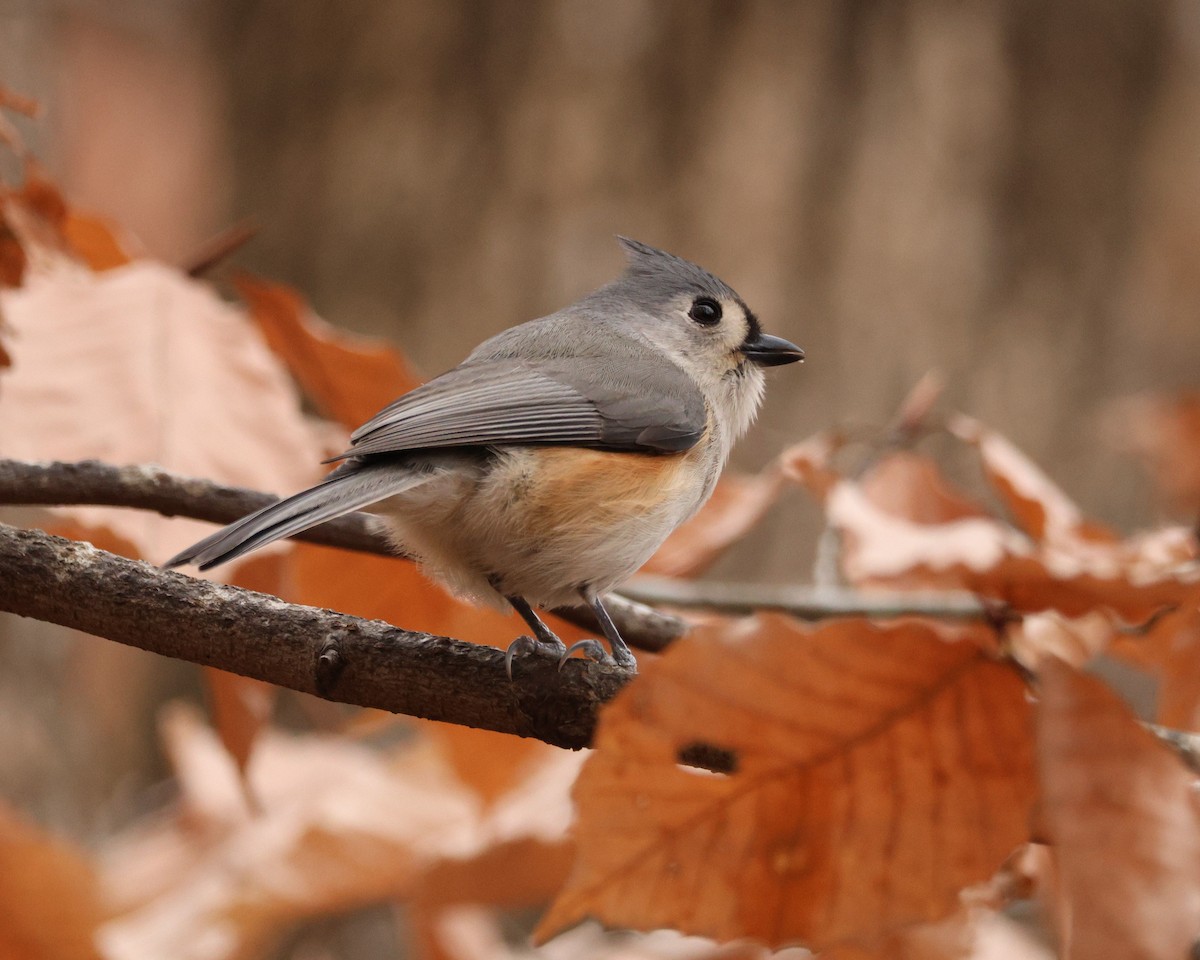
{"x":592,"y":649}
{"x":523,"y":644}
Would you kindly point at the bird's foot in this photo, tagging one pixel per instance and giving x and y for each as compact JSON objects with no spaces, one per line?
{"x":592,"y":649}
{"x":525,"y":645}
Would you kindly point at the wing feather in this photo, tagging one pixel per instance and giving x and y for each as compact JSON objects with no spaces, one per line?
{"x":551,"y":401}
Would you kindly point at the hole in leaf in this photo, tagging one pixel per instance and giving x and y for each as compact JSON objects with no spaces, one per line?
{"x":709,"y":757}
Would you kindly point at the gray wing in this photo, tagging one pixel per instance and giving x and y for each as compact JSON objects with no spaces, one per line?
{"x":651,"y":407}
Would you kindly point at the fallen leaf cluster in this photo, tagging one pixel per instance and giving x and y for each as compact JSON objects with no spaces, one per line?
{"x":890,"y":788}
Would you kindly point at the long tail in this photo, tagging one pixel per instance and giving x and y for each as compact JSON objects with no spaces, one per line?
{"x":341,"y":492}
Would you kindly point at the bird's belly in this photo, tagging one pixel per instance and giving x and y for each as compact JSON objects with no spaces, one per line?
{"x":545,"y":523}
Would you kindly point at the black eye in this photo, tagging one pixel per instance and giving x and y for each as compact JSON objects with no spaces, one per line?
{"x":706,"y":311}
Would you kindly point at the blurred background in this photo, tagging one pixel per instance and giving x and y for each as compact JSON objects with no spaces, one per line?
{"x":1008,"y":192}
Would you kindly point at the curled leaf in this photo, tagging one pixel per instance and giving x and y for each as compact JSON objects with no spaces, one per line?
{"x":1121,"y":813}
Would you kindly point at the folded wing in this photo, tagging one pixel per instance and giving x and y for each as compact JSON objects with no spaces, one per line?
{"x":652,"y":408}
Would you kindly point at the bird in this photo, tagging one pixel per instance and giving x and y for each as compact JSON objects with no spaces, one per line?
{"x":549,"y":465}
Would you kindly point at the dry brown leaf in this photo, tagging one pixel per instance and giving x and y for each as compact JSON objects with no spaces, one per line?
{"x":971,"y":934}
{"x":141,"y":365}
{"x":241,"y":706}
{"x":350,"y":378}
{"x":525,"y":860}
{"x":1171,"y":649}
{"x":810,"y":463}
{"x":1120,"y":811}
{"x":1039,"y":507}
{"x":882,"y":545}
{"x":521,"y":873}
{"x":1075,"y":640}
{"x":476,"y":933}
{"x":39,"y":219}
{"x":96,"y":241}
{"x":735,"y":508}
{"x":1164,"y":431}
{"x":903,"y":526}
{"x":13,"y":261}
{"x":491,"y":764}
{"x":339,"y":827}
{"x":49,"y":904}
{"x":911,"y":486}
{"x":916,"y":408}
{"x":879,"y":771}
{"x":1134,"y":578}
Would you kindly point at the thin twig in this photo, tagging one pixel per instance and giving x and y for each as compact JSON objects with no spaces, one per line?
{"x":219,"y":248}
{"x":1186,"y":745}
{"x":804,"y":603}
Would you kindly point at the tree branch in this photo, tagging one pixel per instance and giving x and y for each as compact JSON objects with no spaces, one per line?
{"x":92,"y":483}
{"x":332,"y":655}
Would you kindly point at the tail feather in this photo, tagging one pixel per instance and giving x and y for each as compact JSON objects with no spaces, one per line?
{"x":339,"y":494}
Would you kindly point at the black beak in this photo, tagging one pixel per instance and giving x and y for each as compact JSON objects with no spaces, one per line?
{"x":768,"y":351}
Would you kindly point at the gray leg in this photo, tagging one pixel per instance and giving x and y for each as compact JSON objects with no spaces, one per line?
{"x":543,"y":636}
{"x":621,"y":652}
{"x":540,"y":630}
{"x":622,"y":656}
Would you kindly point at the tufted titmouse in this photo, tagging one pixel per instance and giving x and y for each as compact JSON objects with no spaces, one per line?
{"x":551,"y":463}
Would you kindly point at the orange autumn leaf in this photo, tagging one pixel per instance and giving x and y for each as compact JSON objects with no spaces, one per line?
{"x":971,"y":934}
{"x":142,"y":365}
{"x":911,"y":486}
{"x":882,"y":544}
{"x":1170,"y":648}
{"x":809,"y":463}
{"x":96,"y":241}
{"x":1038,"y":505}
{"x":340,"y":827}
{"x":392,"y":589}
{"x":350,"y":378}
{"x":13,"y":260}
{"x":1074,"y":640}
{"x":50,"y":904}
{"x":878,"y":771}
{"x":241,"y":706}
{"x":917,"y":407}
{"x":1121,"y":814}
{"x":40,"y":220}
{"x":883,"y":548}
{"x":1164,"y":432}
{"x":491,"y":764}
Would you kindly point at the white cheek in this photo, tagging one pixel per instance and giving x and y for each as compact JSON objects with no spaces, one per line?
{"x":748,"y":394}
{"x":736,"y":329}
